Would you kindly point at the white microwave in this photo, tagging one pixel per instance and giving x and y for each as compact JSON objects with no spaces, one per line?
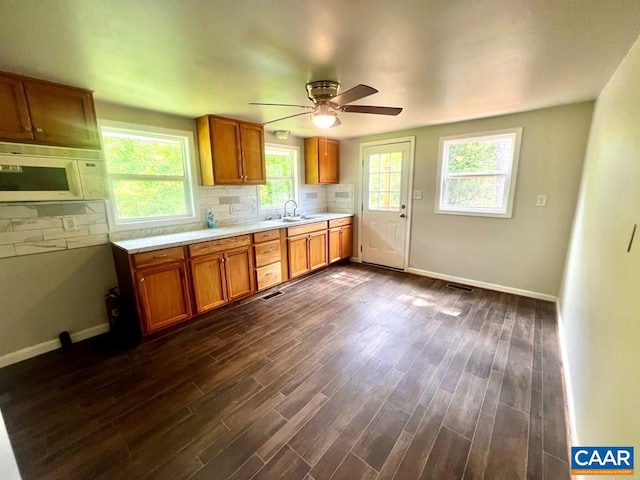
{"x":40,"y":178}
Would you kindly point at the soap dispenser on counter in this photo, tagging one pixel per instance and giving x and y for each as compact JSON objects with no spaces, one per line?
{"x":211,"y":218}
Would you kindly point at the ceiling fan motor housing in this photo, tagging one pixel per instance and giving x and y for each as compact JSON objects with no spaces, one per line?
{"x":322,"y":91}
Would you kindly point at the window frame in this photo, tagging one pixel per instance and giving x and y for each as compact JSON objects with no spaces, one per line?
{"x":189,"y":179}
{"x":295,"y":152}
{"x":510,"y":176}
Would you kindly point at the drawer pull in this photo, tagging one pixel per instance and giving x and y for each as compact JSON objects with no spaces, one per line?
{"x":268,"y":274}
{"x":161,"y":256}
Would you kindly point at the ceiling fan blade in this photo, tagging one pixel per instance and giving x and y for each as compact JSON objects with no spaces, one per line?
{"x":280,"y":105}
{"x":353,"y":94}
{"x":284,"y":118}
{"x":371,"y":109}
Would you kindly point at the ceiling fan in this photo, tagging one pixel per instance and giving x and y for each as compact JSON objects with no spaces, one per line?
{"x":327,"y":102}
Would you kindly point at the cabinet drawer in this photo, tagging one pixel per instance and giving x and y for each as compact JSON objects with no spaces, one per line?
{"x":269,"y":276}
{"x":267,"y":253}
{"x":266,"y":236}
{"x":157,"y":257}
{"x":302,"y":229}
{"x":214,"y":246}
{"x":339,"y":222}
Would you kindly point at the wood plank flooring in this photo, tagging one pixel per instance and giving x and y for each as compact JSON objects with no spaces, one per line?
{"x":352,"y":373}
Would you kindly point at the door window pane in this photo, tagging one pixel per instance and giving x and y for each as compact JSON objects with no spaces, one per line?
{"x":385,"y":181}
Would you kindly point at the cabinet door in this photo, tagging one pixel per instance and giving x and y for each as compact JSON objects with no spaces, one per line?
{"x":328,"y":161}
{"x":164,"y":296}
{"x":14,"y":116}
{"x":252,"y":148}
{"x":298,"y":255}
{"x":209,"y":282}
{"x":239,"y":271}
{"x":225,"y":140}
{"x":317,"y":250}
{"x":334,"y":244}
{"x":62,"y":115}
{"x":346,"y":242}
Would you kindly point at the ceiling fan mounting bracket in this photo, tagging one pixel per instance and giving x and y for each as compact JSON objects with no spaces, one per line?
{"x":322,"y":91}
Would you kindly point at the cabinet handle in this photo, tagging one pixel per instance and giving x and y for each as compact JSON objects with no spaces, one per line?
{"x":142,"y":280}
{"x":161,"y":256}
{"x":28,"y":129}
{"x":268,"y":274}
{"x":39,"y":130}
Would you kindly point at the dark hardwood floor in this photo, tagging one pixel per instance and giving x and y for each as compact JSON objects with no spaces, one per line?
{"x":353,"y":373}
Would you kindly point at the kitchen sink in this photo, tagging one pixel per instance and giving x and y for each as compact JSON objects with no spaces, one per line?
{"x":298,"y":218}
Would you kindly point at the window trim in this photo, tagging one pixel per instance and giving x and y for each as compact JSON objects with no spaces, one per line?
{"x":294,"y":175}
{"x":190,"y":180}
{"x":510,"y":176}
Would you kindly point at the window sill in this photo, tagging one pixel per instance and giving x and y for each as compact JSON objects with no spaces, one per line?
{"x":473,"y":213}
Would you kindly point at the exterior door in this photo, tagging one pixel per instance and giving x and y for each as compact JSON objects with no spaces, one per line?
{"x":385,"y":186}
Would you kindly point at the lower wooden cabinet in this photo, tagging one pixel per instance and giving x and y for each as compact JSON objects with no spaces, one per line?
{"x":209,"y":282}
{"x":270,"y":260}
{"x":163,"y":287}
{"x":307,"y":248}
{"x":340,"y":239}
{"x":238,"y":266}
{"x":221,"y":271}
{"x":163,"y":295}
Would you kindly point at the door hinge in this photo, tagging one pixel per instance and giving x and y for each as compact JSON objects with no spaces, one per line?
{"x":360,"y":247}
{"x":362,"y":207}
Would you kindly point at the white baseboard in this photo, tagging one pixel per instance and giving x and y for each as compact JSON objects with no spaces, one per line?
{"x":488,"y":286}
{"x":567,"y":378}
{"x":39,"y":349}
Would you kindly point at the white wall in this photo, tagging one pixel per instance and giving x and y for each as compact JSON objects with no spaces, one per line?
{"x":526,"y":252}
{"x":600,"y":299}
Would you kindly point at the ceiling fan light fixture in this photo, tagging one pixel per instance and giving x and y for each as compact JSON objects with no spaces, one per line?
{"x":324,"y":118}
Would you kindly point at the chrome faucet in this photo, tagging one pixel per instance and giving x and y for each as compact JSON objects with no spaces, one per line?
{"x":294,"y":208}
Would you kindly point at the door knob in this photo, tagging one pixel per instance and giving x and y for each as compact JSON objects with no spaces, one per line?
{"x":403,"y":207}
{"x":402,"y":215}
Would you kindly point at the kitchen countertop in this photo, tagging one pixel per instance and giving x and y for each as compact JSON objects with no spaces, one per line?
{"x":147,"y":244}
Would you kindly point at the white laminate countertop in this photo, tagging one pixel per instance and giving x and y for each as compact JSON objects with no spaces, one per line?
{"x":147,"y":244}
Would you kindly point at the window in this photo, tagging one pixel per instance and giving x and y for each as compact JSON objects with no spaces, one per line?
{"x":477,"y":173}
{"x":149,"y":176}
{"x":282,"y":172}
{"x":385,"y":181}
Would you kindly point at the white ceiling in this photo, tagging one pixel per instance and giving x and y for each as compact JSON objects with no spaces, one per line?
{"x":441,"y":60}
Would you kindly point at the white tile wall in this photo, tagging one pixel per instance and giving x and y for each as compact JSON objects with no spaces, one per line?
{"x":340,"y":198}
{"x":37,"y":227}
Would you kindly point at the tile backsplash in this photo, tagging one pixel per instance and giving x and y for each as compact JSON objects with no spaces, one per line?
{"x":38,"y":228}
{"x":27,"y":228}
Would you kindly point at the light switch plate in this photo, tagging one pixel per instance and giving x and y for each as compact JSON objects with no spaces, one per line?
{"x":541,"y":201}
{"x":417,"y":194}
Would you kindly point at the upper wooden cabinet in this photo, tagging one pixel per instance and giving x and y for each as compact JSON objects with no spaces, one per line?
{"x":321,"y":160}
{"x":35,"y":111}
{"x":231,"y":151}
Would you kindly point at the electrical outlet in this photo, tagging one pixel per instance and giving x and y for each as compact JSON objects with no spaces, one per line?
{"x":541,"y":201}
{"x":69,"y":223}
